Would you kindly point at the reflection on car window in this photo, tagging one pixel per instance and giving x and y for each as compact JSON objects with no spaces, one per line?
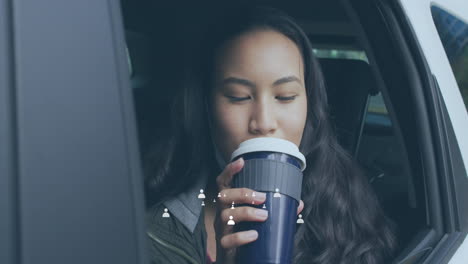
{"x":453,"y":33}
{"x":341,"y":54}
{"x":377,"y":113}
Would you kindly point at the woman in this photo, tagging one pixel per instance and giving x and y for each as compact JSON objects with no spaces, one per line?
{"x":259,"y":79}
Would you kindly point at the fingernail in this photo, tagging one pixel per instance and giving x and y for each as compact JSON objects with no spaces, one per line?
{"x":251,"y":234}
{"x":261,"y":213}
{"x":260,"y":197}
{"x":234,"y":163}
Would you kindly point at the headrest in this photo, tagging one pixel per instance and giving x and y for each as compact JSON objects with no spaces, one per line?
{"x":349,"y":84}
{"x":341,"y":71}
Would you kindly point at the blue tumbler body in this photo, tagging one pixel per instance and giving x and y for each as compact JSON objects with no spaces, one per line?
{"x":275,"y":241}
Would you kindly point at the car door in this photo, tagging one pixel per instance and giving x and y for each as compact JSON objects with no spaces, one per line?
{"x":421,"y":18}
{"x":70,"y":182}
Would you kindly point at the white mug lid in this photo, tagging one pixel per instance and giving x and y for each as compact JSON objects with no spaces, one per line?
{"x":270,"y":144}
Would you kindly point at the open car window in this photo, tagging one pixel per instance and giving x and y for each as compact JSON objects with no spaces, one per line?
{"x":376,"y":118}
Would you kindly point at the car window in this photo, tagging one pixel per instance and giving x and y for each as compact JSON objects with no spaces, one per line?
{"x":453,"y":33}
{"x":379,"y":148}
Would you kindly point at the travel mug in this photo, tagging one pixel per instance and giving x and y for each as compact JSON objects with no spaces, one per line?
{"x":273,"y":166}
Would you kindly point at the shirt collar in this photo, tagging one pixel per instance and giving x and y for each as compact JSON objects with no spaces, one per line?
{"x":186,"y":207}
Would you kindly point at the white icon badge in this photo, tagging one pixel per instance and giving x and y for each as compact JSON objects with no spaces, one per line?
{"x":201,"y":195}
{"x":277,"y":194}
{"x":300,"y":220}
{"x":165,"y":214}
{"x":231,"y":221}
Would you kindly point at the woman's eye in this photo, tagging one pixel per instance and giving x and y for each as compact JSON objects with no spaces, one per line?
{"x":237,"y":99}
{"x":286,"y":98}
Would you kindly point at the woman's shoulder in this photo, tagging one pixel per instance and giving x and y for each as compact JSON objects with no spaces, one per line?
{"x":170,"y":241}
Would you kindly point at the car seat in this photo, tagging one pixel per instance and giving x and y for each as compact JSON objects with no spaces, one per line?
{"x":349,"y":85}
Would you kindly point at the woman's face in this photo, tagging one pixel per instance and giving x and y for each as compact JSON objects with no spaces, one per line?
{"x":258,"y":90}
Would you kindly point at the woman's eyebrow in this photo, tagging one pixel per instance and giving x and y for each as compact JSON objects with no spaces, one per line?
{"x":235,"y":80}
{"x":287,"y":79}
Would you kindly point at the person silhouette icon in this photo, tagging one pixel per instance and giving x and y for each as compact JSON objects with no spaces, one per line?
{"x":219,"y":195}
{"x":231,"y":221}
{"x":203,"y":203}
{"x":214,"y":200}
{"x":224,"y":195}
{"x":165,"y":214}
{"x":201,"y":195}
{"x":300,"y":220}
{"x":253,"y":194}
{"x":232,"y":205}
{"x":277,"y":194}
{"x":264,"y":206}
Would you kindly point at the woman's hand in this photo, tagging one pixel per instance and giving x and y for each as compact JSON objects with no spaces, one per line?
{"x":226,"y":240}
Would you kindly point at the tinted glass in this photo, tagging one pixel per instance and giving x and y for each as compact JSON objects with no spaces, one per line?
{"x":453,"y":33}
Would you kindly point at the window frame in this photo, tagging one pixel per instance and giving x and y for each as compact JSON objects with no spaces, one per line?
{"x":9,"y":242}
{"x":431,"y":147}
{"x":69,"y":161}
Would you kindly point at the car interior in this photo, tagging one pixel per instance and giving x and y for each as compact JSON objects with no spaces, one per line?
{"x":161,"y":36}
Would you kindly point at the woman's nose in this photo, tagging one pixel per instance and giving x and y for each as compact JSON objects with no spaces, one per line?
{"x":263,"y":121}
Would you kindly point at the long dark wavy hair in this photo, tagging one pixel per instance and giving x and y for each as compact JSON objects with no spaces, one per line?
{"x":344,"y":221}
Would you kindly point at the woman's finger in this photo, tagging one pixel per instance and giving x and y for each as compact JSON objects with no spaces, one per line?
{"x":241,"y":196}
{"x":224,"y":179}
{"x":300,"y":207}
{"x":238,"y":239}
{"x":243,"y":214}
